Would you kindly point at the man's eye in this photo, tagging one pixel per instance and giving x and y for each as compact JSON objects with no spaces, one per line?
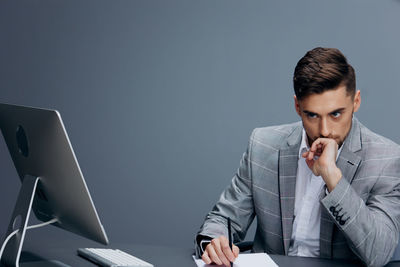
{"x":336,"y":114}
{"x":311,"y":115}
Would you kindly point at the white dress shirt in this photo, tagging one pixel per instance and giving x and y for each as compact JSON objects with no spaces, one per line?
{"x":307,"y":209}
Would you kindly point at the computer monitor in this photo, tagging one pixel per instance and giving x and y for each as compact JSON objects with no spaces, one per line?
{"x":52,"y":182}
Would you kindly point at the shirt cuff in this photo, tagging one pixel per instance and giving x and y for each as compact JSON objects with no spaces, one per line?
{"x":202,"y":241}
{"x":203,"y":245}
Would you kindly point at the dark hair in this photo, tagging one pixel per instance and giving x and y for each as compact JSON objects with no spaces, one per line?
{"x":323,"y":69}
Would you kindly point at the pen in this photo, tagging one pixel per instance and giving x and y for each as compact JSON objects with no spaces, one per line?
{"x":230,"y":235}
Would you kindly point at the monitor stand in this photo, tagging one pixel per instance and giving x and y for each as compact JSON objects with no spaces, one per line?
{"x":19,"y":221}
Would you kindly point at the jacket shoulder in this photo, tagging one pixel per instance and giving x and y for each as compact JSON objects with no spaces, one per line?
{"x":378,"y":143}
{"x":274,"y":136}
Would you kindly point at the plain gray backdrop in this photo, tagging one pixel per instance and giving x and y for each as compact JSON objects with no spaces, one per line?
{"x":159,"y":97}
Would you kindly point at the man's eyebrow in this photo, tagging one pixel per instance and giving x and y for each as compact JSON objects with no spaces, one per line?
{"x":309,"y":112}
{"x":336,"y":110}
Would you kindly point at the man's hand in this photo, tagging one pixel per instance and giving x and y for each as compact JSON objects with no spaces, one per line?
{"x":219,"y":252}
{"x":326,"y":150}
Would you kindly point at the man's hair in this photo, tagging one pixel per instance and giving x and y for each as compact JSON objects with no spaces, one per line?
{"x":323,"y":69}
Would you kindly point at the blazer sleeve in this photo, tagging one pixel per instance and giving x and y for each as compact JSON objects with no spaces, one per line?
{"x":236,"y":202}
{"x":372,"y":227}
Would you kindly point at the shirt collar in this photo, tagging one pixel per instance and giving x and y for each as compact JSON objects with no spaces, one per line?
{"x":304,"y":143}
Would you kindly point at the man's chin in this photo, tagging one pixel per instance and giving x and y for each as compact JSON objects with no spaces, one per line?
{"x":338,"y":141}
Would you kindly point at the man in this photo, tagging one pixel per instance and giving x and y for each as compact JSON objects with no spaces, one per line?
{"x":327,"y":187}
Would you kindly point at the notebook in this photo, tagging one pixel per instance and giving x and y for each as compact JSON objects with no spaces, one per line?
{"x":245,"y":260}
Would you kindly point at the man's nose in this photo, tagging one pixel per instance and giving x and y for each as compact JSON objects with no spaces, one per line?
{"x":324,"y":128}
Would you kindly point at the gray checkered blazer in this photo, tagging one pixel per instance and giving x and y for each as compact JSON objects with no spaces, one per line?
{"x":360,"y":217}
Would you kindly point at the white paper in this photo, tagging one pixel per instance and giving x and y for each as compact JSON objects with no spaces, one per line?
{"x":245,"y":260}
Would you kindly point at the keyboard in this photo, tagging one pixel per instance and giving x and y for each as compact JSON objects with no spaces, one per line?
{"x":112,"y":258}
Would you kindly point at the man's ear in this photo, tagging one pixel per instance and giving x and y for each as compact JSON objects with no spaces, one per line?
{"x":296,"y":105}
{"x":357,"y":101}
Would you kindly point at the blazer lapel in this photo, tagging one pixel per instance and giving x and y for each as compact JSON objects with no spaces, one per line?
{"x":288,"y":158}
{"x":348,"y":163}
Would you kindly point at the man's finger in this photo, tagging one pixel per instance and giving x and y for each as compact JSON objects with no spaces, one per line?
{"x":217,"y":246}
{"x":310,"y":155}
{"x":227,"y":250}
{"x":310,"y":163}
{"x":212,"y":254}
{"x":205,"y":258}
{"x":235,"y":251}
{"x":314,"y":145}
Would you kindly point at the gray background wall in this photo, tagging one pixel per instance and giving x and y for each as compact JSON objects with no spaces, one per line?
{"x":159,"y":97}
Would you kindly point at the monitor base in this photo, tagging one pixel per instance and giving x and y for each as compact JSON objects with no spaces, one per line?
{"x":19,"y":222}
{"x":18,"y":226}
{"x":49,"y":263}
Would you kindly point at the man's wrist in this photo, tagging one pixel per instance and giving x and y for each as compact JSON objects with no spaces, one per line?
{"x":332,"y":178}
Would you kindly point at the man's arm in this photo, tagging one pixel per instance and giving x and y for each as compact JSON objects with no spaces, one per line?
{"x":236,"y":202}
{"x":371,"y":228}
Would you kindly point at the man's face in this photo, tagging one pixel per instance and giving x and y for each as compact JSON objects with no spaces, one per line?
{"x":329,"y":114}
